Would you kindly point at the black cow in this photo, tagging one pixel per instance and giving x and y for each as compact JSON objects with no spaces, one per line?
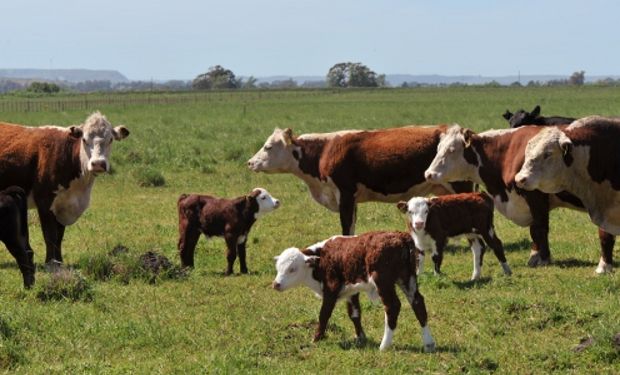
{"x":522,"y":117}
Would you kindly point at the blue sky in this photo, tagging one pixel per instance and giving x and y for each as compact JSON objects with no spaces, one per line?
{"x":158,"y":39}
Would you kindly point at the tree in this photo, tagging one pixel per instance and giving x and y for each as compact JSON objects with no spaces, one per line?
{"x":249,"y":83}
{"x":43,"y":87}
{"x":216,"y":78}
{"x":577,"y":78}
{"x":351,"y":75}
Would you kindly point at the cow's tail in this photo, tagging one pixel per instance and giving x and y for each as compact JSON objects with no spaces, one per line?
{"x":19,"y":196}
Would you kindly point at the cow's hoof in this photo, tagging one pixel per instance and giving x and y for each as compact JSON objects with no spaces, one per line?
{"x":537,"y":261}
{"x":603,"y":268}
{"x":475,"y":277}
{"x":244,"y":270}
{"x":360,"y":340}
{"x":53,"y":266}
{"x":506,"y":269}
{"x":429,"y":348}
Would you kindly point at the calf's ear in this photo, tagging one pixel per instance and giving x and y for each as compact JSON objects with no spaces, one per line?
{"x":75,"y":132}
{"x":120,"y":132}
{"x":507,"y":115}
{"x":287,"y":134}
{"x":275,"y":259}
{"x":402,"y":206}
{"x":535,"y":111}
{"x":467,"y":134}
{"x":312,"y":261}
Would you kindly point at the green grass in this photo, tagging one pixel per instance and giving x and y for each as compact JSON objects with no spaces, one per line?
{"x":206,"y":323}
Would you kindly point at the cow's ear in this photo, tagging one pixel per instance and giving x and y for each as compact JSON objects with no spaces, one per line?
{"x":287,"y":135}
{"x":275,"y":259}
{"x":402,"y":206}
{"x":535,"y":111}
{"x":75,"y":132}
{"x":467,"y":134}
{"x":120,"y":132}
{"x":507,"y":115}
{"x":566,"y":146}
{"x":312,"y":261}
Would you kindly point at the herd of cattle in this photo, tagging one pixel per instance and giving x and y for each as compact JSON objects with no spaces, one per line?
{"x":526,"y":171}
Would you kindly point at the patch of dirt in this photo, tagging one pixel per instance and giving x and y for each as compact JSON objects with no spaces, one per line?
{"x":584,"y":343}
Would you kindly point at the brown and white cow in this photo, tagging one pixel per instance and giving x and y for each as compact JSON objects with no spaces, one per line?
{"x":349,"y":167}
{"x":14,"y":230}
{"x":432,"y":221}
{"x":57,"y":167}
{"x":492,"y":158}
{"x":343,"y":266}
{"x":583,"y":159}
{"x":221,"y":217}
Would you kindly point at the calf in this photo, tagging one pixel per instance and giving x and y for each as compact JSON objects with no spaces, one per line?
{"x":343,"y":266}
{"x":228,"y":218}
{"x":433,"y":220}
{"x":522,"y":117}
{"x":14,"y":230}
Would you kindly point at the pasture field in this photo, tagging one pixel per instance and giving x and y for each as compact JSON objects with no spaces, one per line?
{"x":208,"y":323}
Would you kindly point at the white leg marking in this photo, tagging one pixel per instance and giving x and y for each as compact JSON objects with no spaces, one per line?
{"x":506,"y":268}
{"x":603,"y":267}
{"x":427,"y":339}
{"x":420,"y":263}
{"x":388,"y":334}
{"x":476,"y":248}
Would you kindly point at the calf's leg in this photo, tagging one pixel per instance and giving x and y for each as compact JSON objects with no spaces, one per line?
{"x":437,"y":257}
{"x":241,"y":251}
{"x":355,"y":314}
{"x":416,"y":301}
{"x":189,"y":234}
{"x":231,"y":252}
{"x":498,"y":248}
{"x":391,"y":304}
{"x":477,"y":248}
{"x":329,"y":302}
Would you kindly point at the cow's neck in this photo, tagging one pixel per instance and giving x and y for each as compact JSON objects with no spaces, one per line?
{"x":308,"y":154}
{"x":489,"y":152}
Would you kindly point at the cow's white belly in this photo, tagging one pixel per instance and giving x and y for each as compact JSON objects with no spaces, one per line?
{"x":515,"y":209}
{"x":325,"y":193}
{"x":363,"y":286}
{"x":71,"y":203}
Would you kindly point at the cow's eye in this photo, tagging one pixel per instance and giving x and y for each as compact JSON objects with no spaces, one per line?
{"x":268,"y":148}
{"x":547,"y":155}
{"x":451,"y":150}
{"x":263,"y":197}
{"x":292,"y":270}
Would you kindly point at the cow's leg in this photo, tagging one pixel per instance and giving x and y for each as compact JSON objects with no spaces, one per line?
{"x":327,"y":307}
{"x":539,"y":229}
{"x":231,"y":252}
{"x":189,"y":234}
{"x":241,"y":251}
{"x":391,"y":304}
{"x":477,"y":248}
{"x":53,"y":233}
{"x":348,"y":210}
{"x":606,"y":262}
{"x":355,"y":314}
{"x":416,"y":301}
{"x":498,"y":249}
{"x":437,"y":257}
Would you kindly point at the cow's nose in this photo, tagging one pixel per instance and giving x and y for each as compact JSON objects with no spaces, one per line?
{"x":276,"y":203}
{"x":276,"y":285}
{"x":430,"y":176}
{"x":98,"y":166}
{"x":418,"y":224}
{"x":521,"y":181}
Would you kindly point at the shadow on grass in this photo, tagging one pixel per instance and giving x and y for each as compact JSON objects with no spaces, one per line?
{"x":572,"y":263}
{"x":8,"y":265}
{"x":520,"y":245}
{"x":370,"y":344}
{"x":469,"y":284}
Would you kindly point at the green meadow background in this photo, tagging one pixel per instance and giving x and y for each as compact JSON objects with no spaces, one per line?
{"x":208,"y":323}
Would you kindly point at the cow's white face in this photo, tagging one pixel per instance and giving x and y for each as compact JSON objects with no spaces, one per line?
{"x":266,"y":203}
{"x":277,"y":155}
{"x":96,"y":136}
{"x":416,"y":210}
{"x":545,"y":167}
{"x":293,"y":269}
{"x":449,"y":163}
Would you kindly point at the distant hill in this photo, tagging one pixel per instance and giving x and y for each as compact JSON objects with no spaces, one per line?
{"x":64,"y":75}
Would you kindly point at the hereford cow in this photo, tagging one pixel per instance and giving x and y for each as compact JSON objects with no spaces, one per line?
{"x":521,"y":117}
{"x":493,"y":158}
{"x":583,"y":159}
{"x":344,"y":168}
{"x":432,"y":221}
{"x":14,"y":230}
{"x":228,"y":218}
{"x":57,"y":168}
{"x":343,"y":266}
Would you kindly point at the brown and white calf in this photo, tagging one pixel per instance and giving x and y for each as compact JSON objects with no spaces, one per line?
{"x":228,"y":218}
{"x":584,"y":160}
{"x":493,"y":158}
{"x":343,"y":266}
{"x":14,"y":230}
{"x":349,"y":167}
{"x":57,"y":167}
{"x":432,"y":221}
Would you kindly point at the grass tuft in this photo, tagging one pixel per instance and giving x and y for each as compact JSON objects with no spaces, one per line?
{"x":65,"y":284}
{"x":149,"y":177}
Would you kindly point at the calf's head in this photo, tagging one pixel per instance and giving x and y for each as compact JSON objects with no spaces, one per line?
{"x":278,"y":154}
{"x":416,"y":210}
{"x":265,"y":202}
{"x":454,"y":158}
{"x":96,"y":135}
{"x":294,"y":268}
{"x":522,"y":117}
{"x":548,"y":156}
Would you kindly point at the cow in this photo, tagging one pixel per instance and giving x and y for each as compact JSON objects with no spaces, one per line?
{"x":228,"y":218}
{"x":522,"y":117}
{"x":349,"y":167}
{"x":343,"y":266}
{"x":57,"y":167}
{"x":14,"y":230}
{"x":493,"y":158}
{"x":432,"y":221}
{"x":583,"y":159}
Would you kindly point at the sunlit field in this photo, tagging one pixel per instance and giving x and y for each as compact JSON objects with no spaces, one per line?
{"x":208,"y":323}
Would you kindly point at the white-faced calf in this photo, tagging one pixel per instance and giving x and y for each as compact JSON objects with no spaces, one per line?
{"x":343,"y":266}
{"x":228,"y":218}
{"x":432,"y":221}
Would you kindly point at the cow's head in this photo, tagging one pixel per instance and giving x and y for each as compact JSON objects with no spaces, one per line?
{"x":278,"y":154}
{"x":416,"y":209}
{"x":548,"y":156}
{"x":451,"y":161}
{"x":96,"y":135}
{"x":265,"y":202}
{"x":522,"y":117}
{"x":294,"y":268}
